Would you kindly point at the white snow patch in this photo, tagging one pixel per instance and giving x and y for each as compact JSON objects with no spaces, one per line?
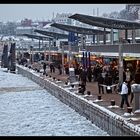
{"x":128,"y":114}
{"x":134,"y":119}
{"x":58,"y":81}
{"x":114,"y":106}
{"x":137,"y":111}
{"x":97,"y":100}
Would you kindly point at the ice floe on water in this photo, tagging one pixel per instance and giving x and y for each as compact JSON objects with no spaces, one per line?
{"x":37,"y":113}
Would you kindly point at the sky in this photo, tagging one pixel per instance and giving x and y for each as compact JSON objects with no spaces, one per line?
{"x":14,"y":12}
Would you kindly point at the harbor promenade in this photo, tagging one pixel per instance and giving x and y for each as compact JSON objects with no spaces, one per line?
{"x":102,"y":112}
{"x":106,"y":98}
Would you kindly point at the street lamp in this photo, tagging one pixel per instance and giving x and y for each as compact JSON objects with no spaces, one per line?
{"x":49,"y":50}
{"x":69,"y":58}
{"x":31,"y":54}
{"x":21,"y":47}
{"x":120,"y":62}
{"x":62,"y":58}
{"x":45,"y":52}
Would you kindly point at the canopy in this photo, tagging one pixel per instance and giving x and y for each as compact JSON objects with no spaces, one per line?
{"x":34,"y":36}
{"x":79,"y":30}
{"x":106,"y":22}
{"x":51,"y":34}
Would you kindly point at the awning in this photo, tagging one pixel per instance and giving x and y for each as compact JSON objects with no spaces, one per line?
{"x":80,"y":30}
{"x":51,"y":34}
{"x":106,"y":22}
{"x":38,"y":37}
{"x":130,"y":58}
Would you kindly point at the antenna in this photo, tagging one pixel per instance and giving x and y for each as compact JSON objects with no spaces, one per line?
{"x":97,"y":11}
{"x":93,"y":11}
{"x":53,"y":15}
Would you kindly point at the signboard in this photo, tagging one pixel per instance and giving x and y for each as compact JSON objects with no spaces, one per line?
{"x":72,"y":38}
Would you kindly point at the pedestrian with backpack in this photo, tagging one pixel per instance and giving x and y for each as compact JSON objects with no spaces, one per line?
{"x":124,"y":94}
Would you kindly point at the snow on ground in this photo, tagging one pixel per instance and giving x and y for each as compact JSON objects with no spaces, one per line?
{"x":37,"y":113}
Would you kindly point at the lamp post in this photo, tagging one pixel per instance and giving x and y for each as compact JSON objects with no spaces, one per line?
{"x":69,"y":54}
{"x":120,"y":62}
{"x":45,"y":52}
{"x":31,"y":53}
{"x":49,"y":50}
{"x":62,"y":58}
{"x":21,"y":47}
{"x":18,"y":51}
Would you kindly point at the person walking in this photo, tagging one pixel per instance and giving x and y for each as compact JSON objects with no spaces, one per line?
{"x":82,"y":87}
{"x":89,"y":74}
{"x":60,"y":69}
{"x":128,"y":79}
{"x":124,"y":94}
{"x":100,"y":81}
{"x":44,"y":68}
{"x":108,"y":83}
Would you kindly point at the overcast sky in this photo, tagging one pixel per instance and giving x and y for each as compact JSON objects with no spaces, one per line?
{"x":13,"y":12}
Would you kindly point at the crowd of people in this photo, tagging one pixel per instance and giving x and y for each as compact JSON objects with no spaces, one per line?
{"x":107,"y":78}
{"x":104,"y":75}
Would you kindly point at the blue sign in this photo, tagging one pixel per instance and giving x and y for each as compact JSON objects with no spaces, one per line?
{"x":72,"y":37}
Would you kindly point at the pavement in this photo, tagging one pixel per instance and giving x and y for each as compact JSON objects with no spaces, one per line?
{"x":106,"y":99}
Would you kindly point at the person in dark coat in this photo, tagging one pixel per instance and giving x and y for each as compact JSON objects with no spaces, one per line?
{"x":60,"y":69}
{"x":83,"y":76}
{"x":52,"y":68}
{"x":82,"y":87}
{"x":100,"y":80}
{"x":89,"y":74}
{"x":108,"y":83}
{"x":44,"y":67}
{"x":137,"y":76}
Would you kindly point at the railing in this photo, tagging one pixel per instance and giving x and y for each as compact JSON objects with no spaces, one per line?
{"x":126,"y":48}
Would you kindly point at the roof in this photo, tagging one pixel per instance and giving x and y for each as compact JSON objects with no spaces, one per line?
{"x":39,"y":37}
{"x":52,"y":34}
{"x":106,"y":22}
{"x":79,"y":30}
{"x":47,"y":25}
{"x":26,"y":27}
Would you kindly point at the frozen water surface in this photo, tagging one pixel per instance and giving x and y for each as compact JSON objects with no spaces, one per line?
{"x":32,"y":111}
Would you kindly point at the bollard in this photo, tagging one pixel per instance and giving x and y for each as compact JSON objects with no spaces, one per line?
{"x":99,"y":97}
{"x":112,"y":102}
{"x":129,"y":109}
{"x":66,"y":83}
{"x":29,"y":67}
{"x":72,"y":86}
{"x":58,"y":79}
{"x":80,"y":90}
{"x":136,"y":91}
{"x":50,"y":76}
{"x":53,"y":78}
{"x":88,"y":93}
{"x":26,"y":65}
